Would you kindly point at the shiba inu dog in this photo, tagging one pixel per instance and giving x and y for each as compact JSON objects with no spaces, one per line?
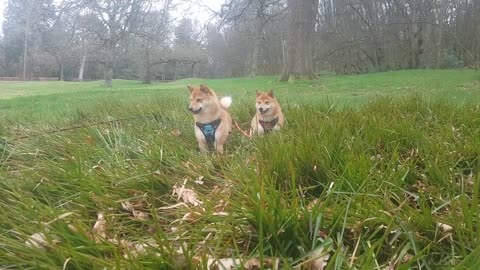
{"x":213,"y":123}
{"x":268,"y":116}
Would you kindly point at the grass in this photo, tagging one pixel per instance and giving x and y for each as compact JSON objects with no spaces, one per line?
{"x":367,"y":169}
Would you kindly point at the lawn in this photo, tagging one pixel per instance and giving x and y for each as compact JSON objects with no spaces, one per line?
{"x":375,"y":171}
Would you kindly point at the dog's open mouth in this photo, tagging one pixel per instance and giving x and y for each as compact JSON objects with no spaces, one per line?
{"x":196,"y":111}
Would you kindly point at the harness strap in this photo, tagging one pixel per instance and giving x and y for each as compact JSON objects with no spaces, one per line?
{"x":209,"y":130}
{"x":268,"y":125}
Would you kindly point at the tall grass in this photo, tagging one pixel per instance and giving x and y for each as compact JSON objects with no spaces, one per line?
{"x":370,"y":184}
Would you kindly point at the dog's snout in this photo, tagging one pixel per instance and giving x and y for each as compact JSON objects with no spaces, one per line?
{"x":190,"y":108}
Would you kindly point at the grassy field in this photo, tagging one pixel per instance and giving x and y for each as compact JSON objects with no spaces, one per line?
{"x":376,"y":171}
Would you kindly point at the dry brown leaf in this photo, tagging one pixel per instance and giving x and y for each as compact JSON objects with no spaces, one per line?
{"x":268,"y":263}
{"x":199,"y":180}
{"x":408,"y":257}
{"x":223,"y":264}
{"x":317,"y":260}
{"x":127,"y":206}
{"x":176,"y":132}
{"x":191,"y":216}
{"x":137,"y":214}
{"x":132,"y":249}
{"x":188,"y":196}
{"x":445,"y":227}
{"x":447,"y":230}
{"x":251,"y":264}
{"x":312,"y":205}
{"x":140,"y":215}
{"x":100,"y":227}
{"x":220,"y":207}
{"x":357,"y":228}
{"x":39,"y":241}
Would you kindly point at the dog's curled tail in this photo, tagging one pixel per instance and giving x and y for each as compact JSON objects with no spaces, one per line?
{"x":226,"y":102}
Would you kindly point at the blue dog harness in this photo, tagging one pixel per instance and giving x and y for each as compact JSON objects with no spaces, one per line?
{"x":268,"y":126}
{"x":209,"y":130}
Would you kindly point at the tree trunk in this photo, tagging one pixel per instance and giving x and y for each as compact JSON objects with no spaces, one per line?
{"x":193,"y":69}
{"x":175,"y":72}
{"x":147,"y":67}
{"x":62,"y":70}
{"x":108,"y":72}
{"x":25,"y":49}
{"x":82,"y":67}
{"x":257,"y":55}
{"x":257,"y":43}
{"x":300,"y":40}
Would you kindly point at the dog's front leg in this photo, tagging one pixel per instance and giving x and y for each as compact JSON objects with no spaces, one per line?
{"x":203,"y":146}
{"x":202,"y":142}
{"x":219,"y":148}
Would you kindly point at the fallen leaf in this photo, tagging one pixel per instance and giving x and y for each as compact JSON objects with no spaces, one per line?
{"x":39,"y":241}
{"x":100,"y":227}
{"x":357,"y":228}
{"x":199,"y":180}
{"x":447,"y":230}
{"x":317,"y":260}
{"x":191,"y":217}
{"x":223,"y":264}
{"x":220,"y":207}
{"x":132,"y":249}
{"x":187,"y":195}
{"x":268,"y":263}
{"x":137,"y":214}
{"x":445,"y":227}
{"x":408,"y":257}
{"x":140,"y":215}
{"x":127,"y":206}
{"x":176,"y":132}
{"x":312,"y":205}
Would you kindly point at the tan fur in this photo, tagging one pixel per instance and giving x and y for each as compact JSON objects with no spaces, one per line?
{"x":205,"y":102}
{"x":268,"y":102}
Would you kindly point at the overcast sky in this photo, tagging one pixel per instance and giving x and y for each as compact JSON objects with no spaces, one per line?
{"x":202,"y":15}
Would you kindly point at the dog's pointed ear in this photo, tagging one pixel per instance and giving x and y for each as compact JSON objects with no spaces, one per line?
{"x":258,"y":93}
{"x":270,"y":93}
{"x":190,"y":88}
{"x":205,"y":89}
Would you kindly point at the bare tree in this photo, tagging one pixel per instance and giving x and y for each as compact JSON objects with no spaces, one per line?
{"x":301,"y":31}
{"x":119,"y":17}
{"x":152,"y":35}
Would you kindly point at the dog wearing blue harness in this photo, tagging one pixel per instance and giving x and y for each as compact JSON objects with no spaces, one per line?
{"x":213,"y":122}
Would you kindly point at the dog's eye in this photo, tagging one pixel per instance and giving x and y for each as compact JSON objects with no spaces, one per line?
{"x":267,"y":103}
{"x":199,"y":100}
